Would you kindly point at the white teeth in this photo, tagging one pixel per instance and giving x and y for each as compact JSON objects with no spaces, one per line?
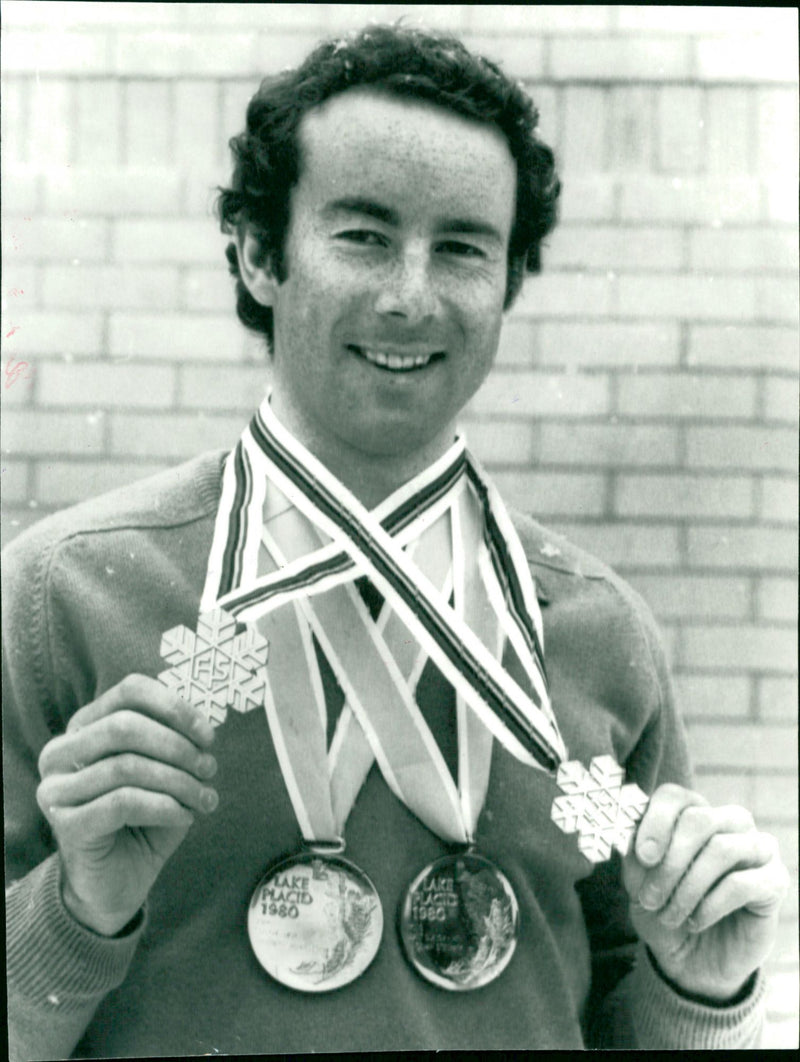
{"x":396,"y":362}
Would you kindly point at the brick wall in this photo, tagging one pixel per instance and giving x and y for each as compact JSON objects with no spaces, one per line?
{"x":645,"y":398}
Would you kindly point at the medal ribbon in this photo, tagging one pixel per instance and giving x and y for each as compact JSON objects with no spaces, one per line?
{"x":524,"y":724}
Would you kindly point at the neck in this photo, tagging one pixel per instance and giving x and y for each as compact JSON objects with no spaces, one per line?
{"x":370,"y":476}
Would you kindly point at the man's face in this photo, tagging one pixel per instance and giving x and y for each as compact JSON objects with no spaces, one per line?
{"x":396,"y":253}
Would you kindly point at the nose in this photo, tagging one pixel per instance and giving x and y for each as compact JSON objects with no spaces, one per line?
{"x":408,"y":291}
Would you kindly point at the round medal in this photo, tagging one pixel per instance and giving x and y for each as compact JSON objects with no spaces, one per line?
{"x":459,"y":922}
{"x":315,"y":922}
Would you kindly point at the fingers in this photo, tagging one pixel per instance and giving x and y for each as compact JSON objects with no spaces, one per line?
{"x":760,"y":889}
{"x":125,"y":771}
{"x":654,"y":833}
{"x":115,"y":810}
{"x":137,"y":715}
{"x":140,"y":693}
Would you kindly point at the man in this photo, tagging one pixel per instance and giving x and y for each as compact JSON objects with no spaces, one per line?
{"x":387,"y":199}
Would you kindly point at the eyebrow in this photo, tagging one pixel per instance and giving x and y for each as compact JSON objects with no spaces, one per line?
{"x":360,"y":205}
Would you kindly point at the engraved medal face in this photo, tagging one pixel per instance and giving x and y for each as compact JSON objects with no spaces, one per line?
{"x":315,"y":922}
{"x":459,"y":922}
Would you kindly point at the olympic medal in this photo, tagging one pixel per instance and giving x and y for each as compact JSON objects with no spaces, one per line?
{"x":315,"y":922}
{"x":459,"y":922}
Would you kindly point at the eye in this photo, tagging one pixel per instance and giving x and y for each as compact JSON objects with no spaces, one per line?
{"x":468,"y":250}
{"x":363,"y":236}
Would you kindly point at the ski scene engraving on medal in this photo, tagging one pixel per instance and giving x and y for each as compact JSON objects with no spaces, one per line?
{"x":459,"y":922}
{"x":315,"y":923}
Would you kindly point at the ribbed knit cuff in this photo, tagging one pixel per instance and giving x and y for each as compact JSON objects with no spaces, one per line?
{"x":53,"y":961}
{"x":666,"y":1020}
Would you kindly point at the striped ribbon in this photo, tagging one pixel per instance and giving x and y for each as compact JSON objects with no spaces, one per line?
{"x":370,"y":543}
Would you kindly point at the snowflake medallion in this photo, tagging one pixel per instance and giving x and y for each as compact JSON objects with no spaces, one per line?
{"x":216,"y":668}
{"x":598,"y":806}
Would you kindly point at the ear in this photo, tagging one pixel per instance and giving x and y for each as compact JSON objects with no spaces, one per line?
{"x":254,"y":268}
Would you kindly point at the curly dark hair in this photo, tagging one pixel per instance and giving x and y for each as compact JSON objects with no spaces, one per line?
{"x":405,"y":62}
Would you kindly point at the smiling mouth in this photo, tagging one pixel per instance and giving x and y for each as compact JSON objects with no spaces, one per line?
{"x":395,"y":362}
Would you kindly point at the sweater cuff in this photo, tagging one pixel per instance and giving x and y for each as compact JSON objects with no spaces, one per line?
{"x":53,"y":961}
{"x":664,"y":1019}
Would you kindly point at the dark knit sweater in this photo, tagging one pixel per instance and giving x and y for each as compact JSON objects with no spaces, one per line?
{"x":89,"y":593}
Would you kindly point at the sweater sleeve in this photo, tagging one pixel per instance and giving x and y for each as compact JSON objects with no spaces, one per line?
{"x":631,"y":1005}
{"x":57,"y":971}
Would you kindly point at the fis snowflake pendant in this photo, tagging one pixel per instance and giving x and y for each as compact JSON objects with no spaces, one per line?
{"x":598,"y":806}
{"x":216,"y":668}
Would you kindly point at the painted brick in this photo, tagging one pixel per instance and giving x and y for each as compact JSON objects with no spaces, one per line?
{"x":518,"y":341}
{"x":587,"y":199}
{"x":119,"y":287}
{"x":49,"y":130}
{"x":756,"y":57}
{"x":780,"y":200}
{"x":677,"y":596}
{"x":720,"y":696}
{"x":521,"y":394}
{"x":56,"y":13}
{"x":147,"y":134}
{"x":261,"y":15}
{"x":99,"y":122}
{"x":552,"y":494}
{"x":776,"y":299}
{"x":729,"y":117}
{"x":740,"y":647}
{"x":682,"y":496}
{"x":622,"y":545}
{"x":236,"y":387}
{"x":723,"y":788}
{"x":762,"y":448}
{"x":742,"y":548}
{"x":680,"y":129}
{"x":39,"y":52}
{"x":539,"y":18}
{"x":617,"y":445}
{"x":777,"y":131}
{"x":235,"y":96}
{"x":516,"y":56}
{"x":14,"y":119}
{"x":777,"y":697}
{"x":501,"y":442}
{"x":197,"y":142}
{"x":601,"y":343}
{"x":547,"y":98}
{"x":779,"y":499}
{"x":732,"y":250}
{"x":697,"y":19}
{"x":706,"y":200}
{"x":745,"y":346}
{"x":564,"y":295}
{"x":56,"y":333}
{"x":617,"y":59}
{"x":633,"y":127}
{"x":175,"y":336}
{"x":20,"y":381}
{"x":781,"y":398}
{"x":684,"y":395}
{"x":777,"y":599}
{"x":32,"y":432}
{"x":21,"y":287}
{"x":775,"y":798}
{"x":690,"y":297}
{"x":169,"y":54}
{"x":14,"y":477}
{"x":18,"y":519}
{"x":741,"y":745}
{"x":61,"y":483}
{"x":176,"y":436}
{"x":608,"y":247}
{"x":195,"y":241}
{"x":199,"y":192}
{"x":584,"y":123}
{"x":96,"y":384}
{"x":21,"y":185}
{"x":112,"y":191}
{"x":43,"y":239}
{"x":208,"y":289}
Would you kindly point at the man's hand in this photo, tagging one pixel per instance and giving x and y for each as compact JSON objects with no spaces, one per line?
{"x":119,"y":789}
{"x":706,"y":888}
